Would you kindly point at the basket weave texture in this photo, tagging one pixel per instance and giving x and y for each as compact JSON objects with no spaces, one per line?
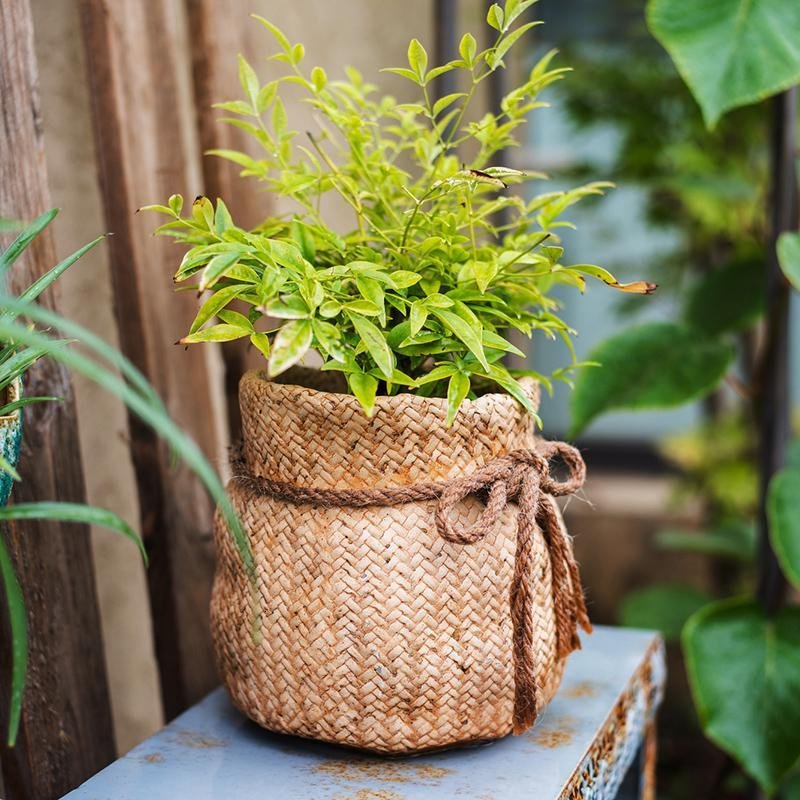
{"x":365,"y":627}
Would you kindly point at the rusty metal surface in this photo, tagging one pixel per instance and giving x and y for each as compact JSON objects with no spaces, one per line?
{"x":582,"y":746}
{"x":628,"y":730}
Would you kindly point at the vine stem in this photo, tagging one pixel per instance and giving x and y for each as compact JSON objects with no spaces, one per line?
{"x":773,"y":398}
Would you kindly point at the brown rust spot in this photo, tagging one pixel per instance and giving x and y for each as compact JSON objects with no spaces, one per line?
{"x":553,"y":739}
{"x":153,"y":758}
{"x":554,"y":733}
{"x":198,"y":741}
{"x":579,"y":690}
{"x":385,"y":771}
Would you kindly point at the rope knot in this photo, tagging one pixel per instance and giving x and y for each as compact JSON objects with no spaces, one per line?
{"x":523,"y":477}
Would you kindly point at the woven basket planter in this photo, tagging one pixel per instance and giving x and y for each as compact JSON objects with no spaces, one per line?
{"x":364,"y":626}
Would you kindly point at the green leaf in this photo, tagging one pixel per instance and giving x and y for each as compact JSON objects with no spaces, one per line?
{"x":266,"y":95}
{"x":496,"y":342}
{"x":467,"y":47}
{"x":330,"y":340}
{"x":663,"y":607}
{"x":783,"y":511}
{"x":501,"y":376}
{"x":363,"y":307}
{"x":276,"y":32}
{"x":304,"y":239}
{"x":21,"y":242}
{"x":218,"y":300}
{"x":789,"y":257}
{"x":290,"y":345}
{"x":217,"y":333}
{"x":656,"y":365}
{"x":443,"y":102}
{"x":485,"y":273}
{"x":222,"y":218}
{"x":237,"y":319}
{"x":41,"y":283}
{"x":495,"y":17}
{"x":417,"y":58}
{"x":728,"y":299}
{"x":287,"y":255}
{"x":376,"y":345}
{"x":364,"y":387}
{"x":261,"y":342}
{"x":330,"y":309}
{"x":404,"y":72}
{"x":217,"y":267}
{"x":175,"y":204}
{"x":249,"y":81}
{"x":734,"y":540}
{"x":279,"y":118}
{"x":372,"y":291}
{"x":74,"y":512}
{"x":457,"y":390}
{"x":9,"y":408}
{"x":404,"y":278}
{"x":507,"y":42}
{"x":514,"y":8}
{"x":19,"y":638}
{"x":290,"y":307}
{"x":744,"y":670}
{"x":730,"y":52}
{"x":319,"y":78}
{"x":64,"y":512}
{"x":464,"y":332}
{"x":417,"y":317}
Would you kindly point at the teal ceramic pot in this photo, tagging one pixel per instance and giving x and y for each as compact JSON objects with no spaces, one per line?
{"x":10,"y":439}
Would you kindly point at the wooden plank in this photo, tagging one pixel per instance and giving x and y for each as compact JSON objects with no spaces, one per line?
{"x":66,"y":733}
{"x":215,"y":39}
{"x":143,"y":125}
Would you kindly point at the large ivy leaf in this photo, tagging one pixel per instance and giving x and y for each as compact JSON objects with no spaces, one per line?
{"x":783,"y":509}
{"x":656,"y":365}
{"x":789,"y":257}
{"x":744,"y":670}
{"x":728,"y":299}
{"x":665,"y":607}
{"x":730,"y":52}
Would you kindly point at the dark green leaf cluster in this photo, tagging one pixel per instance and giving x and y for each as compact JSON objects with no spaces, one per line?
{"x":419,"y":294}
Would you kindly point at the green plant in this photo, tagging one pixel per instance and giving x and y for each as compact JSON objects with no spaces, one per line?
{"x":742,"y":654}
{"x":25,"y":337}
{"x":419,"y":294}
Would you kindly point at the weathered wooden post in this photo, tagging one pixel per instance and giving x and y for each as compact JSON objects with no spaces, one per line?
{"x":66,"y":733}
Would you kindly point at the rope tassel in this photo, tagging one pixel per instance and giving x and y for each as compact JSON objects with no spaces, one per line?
{"x":522,"y":476}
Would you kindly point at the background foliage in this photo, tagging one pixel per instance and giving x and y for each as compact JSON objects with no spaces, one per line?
{"x":742,"y":662}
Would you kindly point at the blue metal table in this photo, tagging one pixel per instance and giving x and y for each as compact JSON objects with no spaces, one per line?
{"x":599,"y":726}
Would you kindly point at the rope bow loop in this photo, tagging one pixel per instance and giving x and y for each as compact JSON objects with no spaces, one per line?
{"x":521,"y":476}
{"x":524,"y":476}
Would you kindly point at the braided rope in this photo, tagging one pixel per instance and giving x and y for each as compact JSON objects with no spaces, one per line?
{"x":521,"y":476}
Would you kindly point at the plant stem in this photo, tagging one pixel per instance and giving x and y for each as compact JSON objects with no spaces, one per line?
{"x":774,"y":403}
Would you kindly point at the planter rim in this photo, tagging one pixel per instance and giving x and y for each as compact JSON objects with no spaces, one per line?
{"x":290,"y":383}
{"x":318,"y":438}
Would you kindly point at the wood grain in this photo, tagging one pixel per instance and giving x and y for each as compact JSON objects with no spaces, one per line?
{"x":146,"y":150}
{"x":66,"y":733}
{"x":215,"y":39}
